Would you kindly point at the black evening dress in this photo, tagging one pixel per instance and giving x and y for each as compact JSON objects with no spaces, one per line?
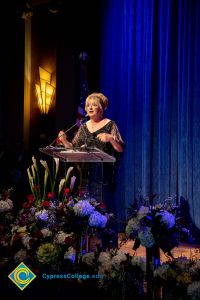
{"x":100,"y":177}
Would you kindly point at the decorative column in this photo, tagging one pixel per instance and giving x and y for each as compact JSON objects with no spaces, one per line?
{"x":27,"y":78}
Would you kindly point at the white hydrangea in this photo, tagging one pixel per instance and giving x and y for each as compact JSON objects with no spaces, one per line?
{"x":88,"y":258}
{"x":46,"y":232}
{"x":104,"y":257}
{"x":143,"y":212}
{"x":132,"y":226}
{"x":139,"y":261}
{"x":83,"y":208}
{"x":195,"y":268}
{"x":193,"y":290}
{"x":9,"y":201}
{"x":5,"y":205}
{"x":146,"y":237}
{"x":105,"y":262}
{"x":118,"y":258}
{"x":163,"y":271}
{"x":60,"y":237}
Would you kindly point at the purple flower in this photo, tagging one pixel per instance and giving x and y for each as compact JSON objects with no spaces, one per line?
{"x":97,"y":220}
{"x":42,"y":215}
{"x":83,"y":208}
{"x":167,"y":219}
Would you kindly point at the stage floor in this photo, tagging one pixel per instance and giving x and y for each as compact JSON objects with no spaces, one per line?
{"x":187,"y":250}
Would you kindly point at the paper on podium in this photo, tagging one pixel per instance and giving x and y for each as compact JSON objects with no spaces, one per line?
{"x":81,"y":154}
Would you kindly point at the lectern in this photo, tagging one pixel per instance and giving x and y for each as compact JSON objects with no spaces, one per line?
{"x":90,"y":164}
{"x":80,"y":154}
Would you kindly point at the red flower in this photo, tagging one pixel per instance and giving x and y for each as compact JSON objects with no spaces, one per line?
{"x":26,"y":205}
{"x":102,"y":205}
{"x":30,"y":198}
{"x":46,"y":204}
{"x":82,"y":192}
{"x":68,"y":240}
{"x":16,"y":237}
{"x":50,"y":195}
{"x":37,"y":234}
{"x":66,"y":191}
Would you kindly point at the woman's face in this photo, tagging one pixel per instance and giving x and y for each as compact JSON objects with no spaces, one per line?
{"x":93,"y":108}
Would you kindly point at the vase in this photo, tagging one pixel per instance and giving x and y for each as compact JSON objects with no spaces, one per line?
{"x":152,"y":263}
{"x":79,"y":245}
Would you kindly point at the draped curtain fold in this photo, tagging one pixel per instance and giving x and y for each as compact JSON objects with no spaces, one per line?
{"x":150,"y":65}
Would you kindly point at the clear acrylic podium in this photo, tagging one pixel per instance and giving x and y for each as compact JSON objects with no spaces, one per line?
{"x":80,"y":154}
{"x":89,"y":162}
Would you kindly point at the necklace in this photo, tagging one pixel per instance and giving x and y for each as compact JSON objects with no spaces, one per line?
{"x":95,"y":125}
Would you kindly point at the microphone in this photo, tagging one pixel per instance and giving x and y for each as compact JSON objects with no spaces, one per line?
{"x":81,"y":121}
{"x":84,"y":119}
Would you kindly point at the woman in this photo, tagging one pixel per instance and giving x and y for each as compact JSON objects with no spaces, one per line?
{"x":102,"y":133}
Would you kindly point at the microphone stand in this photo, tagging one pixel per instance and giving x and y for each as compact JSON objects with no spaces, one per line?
{"x":85,"y":138}
{"x":79,"y":121}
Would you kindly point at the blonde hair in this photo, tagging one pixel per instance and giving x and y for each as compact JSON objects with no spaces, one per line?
{"x":102,"y":100}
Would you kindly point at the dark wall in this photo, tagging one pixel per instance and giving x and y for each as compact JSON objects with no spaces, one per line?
{"x":44,"y":47}
{"x":57,"y":40}
{"x":11,"y":90}
{"x":79,"y":30}
{"x":11,"y":78}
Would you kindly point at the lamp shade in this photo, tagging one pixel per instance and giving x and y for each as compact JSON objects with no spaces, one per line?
{"x":44,"y":91}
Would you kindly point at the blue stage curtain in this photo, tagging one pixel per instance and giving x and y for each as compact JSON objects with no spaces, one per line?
{"x":150,"y":71}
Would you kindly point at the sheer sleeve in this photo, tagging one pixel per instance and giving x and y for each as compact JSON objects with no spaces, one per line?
{"x":77,"y":138}
{"x":115,"y":132}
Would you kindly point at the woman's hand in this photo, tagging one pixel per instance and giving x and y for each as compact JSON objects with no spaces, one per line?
{"x":62,"y":137}
{"x":105,"y":137}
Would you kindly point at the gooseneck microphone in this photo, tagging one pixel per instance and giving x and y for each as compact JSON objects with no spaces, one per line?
{"x":81,"y":121}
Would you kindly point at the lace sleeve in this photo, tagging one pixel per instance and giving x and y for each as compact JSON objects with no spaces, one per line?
{"x":115,"y":132}
{"x":76,"y":139}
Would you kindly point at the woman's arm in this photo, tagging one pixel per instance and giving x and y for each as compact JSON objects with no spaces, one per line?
{"x":76,"y":141}
{"x":117,"y":145}
{"x":107,"y":137}
{"x":114,"y":137}
{"x":63,"y":139}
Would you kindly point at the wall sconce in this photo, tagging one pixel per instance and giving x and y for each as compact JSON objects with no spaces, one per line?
{"x":44,"y":91}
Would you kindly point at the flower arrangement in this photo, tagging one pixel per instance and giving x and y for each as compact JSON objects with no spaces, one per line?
{"x":182,"y":275}
{"x":54,"y":222}
{"x":6,"y":204}
{"x":53,"y":229}
{"x":120,"y":275}
{"x":154,"y":225}
{"x":6,"y":219}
